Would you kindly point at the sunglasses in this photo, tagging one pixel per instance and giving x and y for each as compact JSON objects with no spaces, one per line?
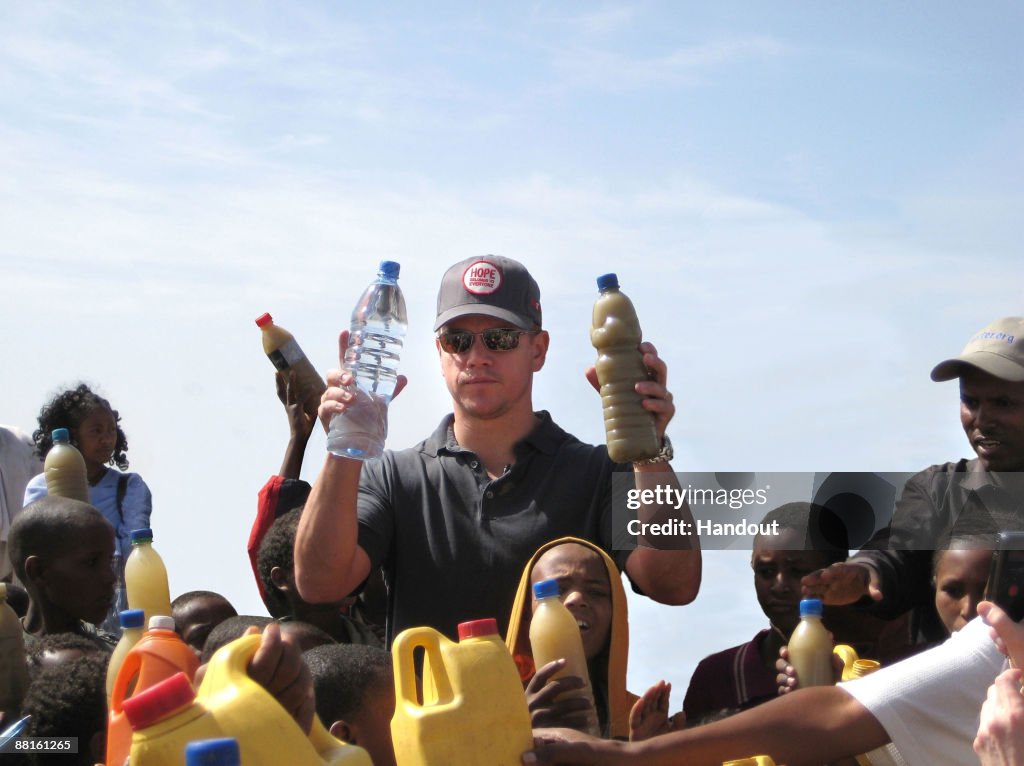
{"x":496,"y":339}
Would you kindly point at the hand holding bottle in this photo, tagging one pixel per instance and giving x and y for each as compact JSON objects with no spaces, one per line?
{"x":342,"y":394}
{"x":657,"y":398}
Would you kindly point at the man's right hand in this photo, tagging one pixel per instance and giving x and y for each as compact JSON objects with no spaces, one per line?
{"x":843,"y":583}
{"x":341,"y":389}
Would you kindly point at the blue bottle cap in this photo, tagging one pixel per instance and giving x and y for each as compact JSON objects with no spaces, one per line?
{"x":607,"y":280}
{"x":132,"y":618}
{"x":390,"y":269}
{"x":61,"y":435}
{"x":546,"y":589}
{"x":810,"y":607}
{"x":213,"y":752}
{"x":140,"y":535}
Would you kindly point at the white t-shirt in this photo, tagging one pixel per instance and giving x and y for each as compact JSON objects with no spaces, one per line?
{"x":930,"y":703}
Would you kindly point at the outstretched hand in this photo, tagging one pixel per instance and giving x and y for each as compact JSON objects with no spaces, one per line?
{"x":657,"y":398}
{"x":1008,"y":635}
{"x":279,"y":668}
{"x":842,"y":583}
{"x":301,"y":413}
{"x":649,"y":716}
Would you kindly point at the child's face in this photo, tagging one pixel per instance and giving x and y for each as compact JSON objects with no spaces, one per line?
{"x":80,"y":580}
{"x":374,"y":722}
{"x":779,"y":566}
{"x":960,"y":579}
{"x":202,"y":615}
{"x":96,"y":437}
{"x":585,"y":591}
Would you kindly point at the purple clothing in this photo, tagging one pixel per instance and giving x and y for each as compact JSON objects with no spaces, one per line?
{"x":733,"y":679}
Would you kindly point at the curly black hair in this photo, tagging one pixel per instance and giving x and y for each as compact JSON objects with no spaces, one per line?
{"x":278,"y":550}
{"x":67,"y":410}
{"x":68,"y":700}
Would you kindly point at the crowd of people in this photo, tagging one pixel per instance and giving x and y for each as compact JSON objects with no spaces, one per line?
{"x":498,"y":498}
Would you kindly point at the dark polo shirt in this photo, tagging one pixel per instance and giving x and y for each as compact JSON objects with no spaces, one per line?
{"x":453,"y":542}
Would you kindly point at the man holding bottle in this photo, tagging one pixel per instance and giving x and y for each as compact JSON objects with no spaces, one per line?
{"x":454,"y":519}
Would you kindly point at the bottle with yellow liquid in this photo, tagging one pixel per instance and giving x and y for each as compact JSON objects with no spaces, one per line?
{"x":13,"y":669}
{"x":145,"y":577}
{"x":285,"y":353}
{"x":615,"y":332}
{"x":132,"y":628}
{"x":475,"y":713}
{"x":554,"y":634}
{"x":65,"y":468}
{"x":810,"y":647}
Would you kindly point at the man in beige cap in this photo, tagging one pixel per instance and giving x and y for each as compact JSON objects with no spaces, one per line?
{"x":453,"y":520}
{"x":971,"y":499}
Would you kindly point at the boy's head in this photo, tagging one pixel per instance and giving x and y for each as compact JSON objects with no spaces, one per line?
{"x":781,"y":560}
{"x":305,"y":634}
{"x":355,"y":696}
{"x":583,"y":581}
{"x":230,"y":629}
{"x":198,"y":612}
{"x":275,"y":561}
{"x":58,"y":649}
{"x":70,"y":700}
{"x":960,"y":574}
{"x":62,"y":550}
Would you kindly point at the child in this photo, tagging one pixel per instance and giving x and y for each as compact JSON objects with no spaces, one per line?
{"x":63,"y":550}
{"x":69,"y":700}
{"x":355,"y":696}
{"x":592,"y":590}
{"x":122,"y":498}
{"x":276,"y":562}
{"x":198,"y":612}
{"x":745,"y":675}
{"x":959,"y":576}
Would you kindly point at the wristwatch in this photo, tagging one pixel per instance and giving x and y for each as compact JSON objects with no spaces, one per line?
{"x":664,"y":455}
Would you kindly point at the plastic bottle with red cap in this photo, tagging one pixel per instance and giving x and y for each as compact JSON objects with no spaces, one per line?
{"x":473,"y":708}
{"x":285,"y":354}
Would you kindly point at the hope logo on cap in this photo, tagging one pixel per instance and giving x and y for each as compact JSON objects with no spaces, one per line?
{"x":482,"y":278}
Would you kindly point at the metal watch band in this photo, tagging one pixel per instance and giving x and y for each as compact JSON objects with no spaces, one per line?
{"x":664,"y":456}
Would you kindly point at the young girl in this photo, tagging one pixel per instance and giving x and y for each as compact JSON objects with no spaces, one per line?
{"x":122,"y":498}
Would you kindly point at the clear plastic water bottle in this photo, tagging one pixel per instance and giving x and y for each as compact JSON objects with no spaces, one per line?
{"x":374,"y":347}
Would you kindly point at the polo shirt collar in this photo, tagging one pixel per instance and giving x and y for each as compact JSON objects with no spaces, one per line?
{"x":545,"y":437}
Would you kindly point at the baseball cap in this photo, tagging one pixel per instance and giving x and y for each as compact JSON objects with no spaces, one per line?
{"x":997,"y":349}
{"x":491,"y":285}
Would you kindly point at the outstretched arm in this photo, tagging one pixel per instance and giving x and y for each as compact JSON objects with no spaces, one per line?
{"x":809,"y":727}
{"x":329,"y":564}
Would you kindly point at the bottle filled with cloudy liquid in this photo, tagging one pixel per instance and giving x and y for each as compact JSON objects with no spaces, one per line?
{"x":810,"y":647}
{"x":554,"y":634}
{"x":285,"y":353}
{"x":374,"y":346}
{"x":132,"y":628}
{"x":615,"y":332}
{"x":145,"y":577}
{"x":65,"y":468}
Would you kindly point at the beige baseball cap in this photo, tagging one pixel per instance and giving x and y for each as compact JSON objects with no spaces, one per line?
{"x":998,"y":350}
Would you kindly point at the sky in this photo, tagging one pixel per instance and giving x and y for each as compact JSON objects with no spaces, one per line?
{"x":810,"y":204}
